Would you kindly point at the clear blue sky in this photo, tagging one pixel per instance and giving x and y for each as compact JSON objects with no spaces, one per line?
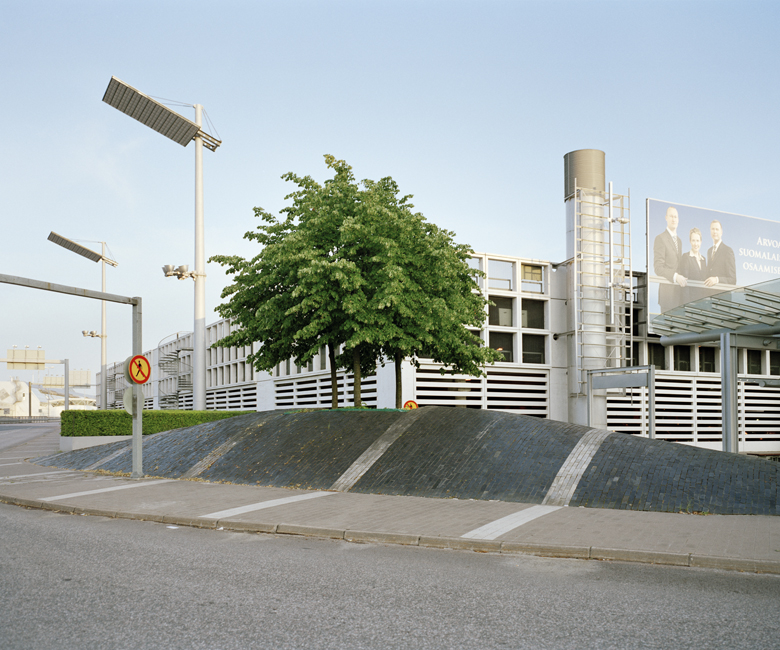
{"x":470,"y":106}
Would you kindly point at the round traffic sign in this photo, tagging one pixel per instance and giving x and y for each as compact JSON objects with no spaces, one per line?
{"x":140,"y":369}
{"x":410,"y":404}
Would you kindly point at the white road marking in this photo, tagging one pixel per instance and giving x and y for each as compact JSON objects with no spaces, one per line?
{"x":212,"y":457}
{"x":62,"y":471}
{"x":232,"y":512}
{"x":510,"y":522}
{"x":374,"y":452}
{"x":7,"y":464}
{"x":568,"y":477}
{"x":111,"y":489}
{"x":111,"y":456}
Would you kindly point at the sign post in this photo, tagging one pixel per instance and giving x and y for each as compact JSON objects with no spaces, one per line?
{"x":138,"y":371}
{"x":135,"y":302}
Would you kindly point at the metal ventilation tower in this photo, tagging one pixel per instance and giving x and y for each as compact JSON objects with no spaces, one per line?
{"x":600,"y":284}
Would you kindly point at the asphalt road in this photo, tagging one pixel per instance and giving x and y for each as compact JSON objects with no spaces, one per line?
{"x":16,"y":434}
{"x":87,"y":582}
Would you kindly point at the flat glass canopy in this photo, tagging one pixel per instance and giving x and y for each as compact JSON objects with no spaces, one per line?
{"x":758,"y":304}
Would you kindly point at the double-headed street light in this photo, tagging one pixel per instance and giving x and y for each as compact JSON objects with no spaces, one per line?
{"x":146,"y":110}
{"x":95,"y":257}
{"x":182,"y":272}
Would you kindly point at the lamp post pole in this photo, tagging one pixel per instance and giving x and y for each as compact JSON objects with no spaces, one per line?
{"x":103,"y":355}
{"x":199,"y":330}
{"x":153,"y":114}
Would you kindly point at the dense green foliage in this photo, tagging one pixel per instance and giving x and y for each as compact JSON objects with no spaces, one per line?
{"x":353,"y":268}
{"x":120,"y":423}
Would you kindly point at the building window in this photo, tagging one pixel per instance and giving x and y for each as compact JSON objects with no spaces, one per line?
{"x":682,"y":358}
{"x":533,"y":348}
{"x":774,"y":362}
{"x":500,"y":313}
{"x":533,"y":314}
{"x":476,"y":264}
{"x":504,"y":343}
{"x":500,"y":274}
{"x":531,"y":278}
{"x":656,"y":356}
{"x":754,"y":362}
{"x":634,"y":321}
{"x":706,"y":359}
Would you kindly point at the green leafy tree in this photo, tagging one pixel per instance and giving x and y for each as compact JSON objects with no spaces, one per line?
{"x":425,"y":293}
{"x":351,"y":267}
{"x":291,"y":296}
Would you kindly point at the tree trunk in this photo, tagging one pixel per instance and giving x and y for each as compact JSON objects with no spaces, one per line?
{"x":398,"y":359}
{"x":334,"y":381}
{"x":356,"y":376}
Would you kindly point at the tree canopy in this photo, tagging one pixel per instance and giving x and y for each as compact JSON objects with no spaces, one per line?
{"x":350,"y":266}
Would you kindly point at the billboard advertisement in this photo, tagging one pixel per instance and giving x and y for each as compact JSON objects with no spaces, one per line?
{"x":695,"y":252}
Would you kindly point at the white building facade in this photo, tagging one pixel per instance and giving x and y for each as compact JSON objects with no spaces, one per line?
{"x":551,"y":322}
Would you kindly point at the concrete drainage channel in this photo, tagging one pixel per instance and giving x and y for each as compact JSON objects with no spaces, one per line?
{"x":453,"y":543}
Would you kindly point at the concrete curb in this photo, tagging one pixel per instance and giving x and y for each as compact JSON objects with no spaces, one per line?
{"x":246,"y":526}
{"x":648,"y":557}
{"x":453,"y":543}
{"x":547,"y":550}
{"x":364,"y":537}
{"x":74,"y":443}
{"x":309,"y":531}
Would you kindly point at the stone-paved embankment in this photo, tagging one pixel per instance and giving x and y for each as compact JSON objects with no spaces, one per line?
{"x":451,"y":452}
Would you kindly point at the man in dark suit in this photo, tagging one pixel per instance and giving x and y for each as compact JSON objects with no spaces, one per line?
{"x":721,"y":266}
{"x":667,"y":257}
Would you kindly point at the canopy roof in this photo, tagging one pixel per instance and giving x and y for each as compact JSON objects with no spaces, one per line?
{"x":758,"y":304}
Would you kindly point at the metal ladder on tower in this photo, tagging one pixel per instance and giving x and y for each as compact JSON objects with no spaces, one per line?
{"x":603,"y":281}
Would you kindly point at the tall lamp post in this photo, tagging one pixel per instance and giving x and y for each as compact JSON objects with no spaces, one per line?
{"x":146,"y":110}
{"x":95,"y":257}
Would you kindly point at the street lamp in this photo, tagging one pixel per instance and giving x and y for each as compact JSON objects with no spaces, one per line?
{"x":146,"y":110}
{"x":95,"y":257}
{"x":182,"y":272}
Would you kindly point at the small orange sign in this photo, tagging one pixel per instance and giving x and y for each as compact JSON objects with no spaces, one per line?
{"x":140,"y":369}
{"x":410,"y":405}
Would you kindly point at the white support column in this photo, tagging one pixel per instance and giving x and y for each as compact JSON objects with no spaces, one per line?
{"x":103,"y":354}
{"x":728,"y":379}
{"x":199,"y":330}
{"x":67,"y":384}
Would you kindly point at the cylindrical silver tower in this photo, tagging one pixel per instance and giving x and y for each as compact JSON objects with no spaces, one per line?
{"x":586,"y":166}
{"x":585,"y":244}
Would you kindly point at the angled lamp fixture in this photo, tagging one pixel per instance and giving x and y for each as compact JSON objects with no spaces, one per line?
{"x":94,"y":257}
{"x":162,"y":119}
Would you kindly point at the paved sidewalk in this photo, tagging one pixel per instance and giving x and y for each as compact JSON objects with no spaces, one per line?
{"x":731,"y":542}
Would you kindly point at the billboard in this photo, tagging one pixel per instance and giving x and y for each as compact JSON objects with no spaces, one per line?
{"x":694,"y":252}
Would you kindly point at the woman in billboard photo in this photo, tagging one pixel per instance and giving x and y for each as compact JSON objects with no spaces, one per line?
{"x":693,"y":266}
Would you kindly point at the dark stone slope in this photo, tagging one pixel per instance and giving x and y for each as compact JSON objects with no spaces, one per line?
{"x":448,"y":452}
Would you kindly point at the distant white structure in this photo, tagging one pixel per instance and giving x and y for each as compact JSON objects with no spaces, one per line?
{"x":17,"y":402}
{"x":15,"y":399}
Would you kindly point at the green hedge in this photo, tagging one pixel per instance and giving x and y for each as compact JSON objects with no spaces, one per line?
{"x":120,"y":423}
